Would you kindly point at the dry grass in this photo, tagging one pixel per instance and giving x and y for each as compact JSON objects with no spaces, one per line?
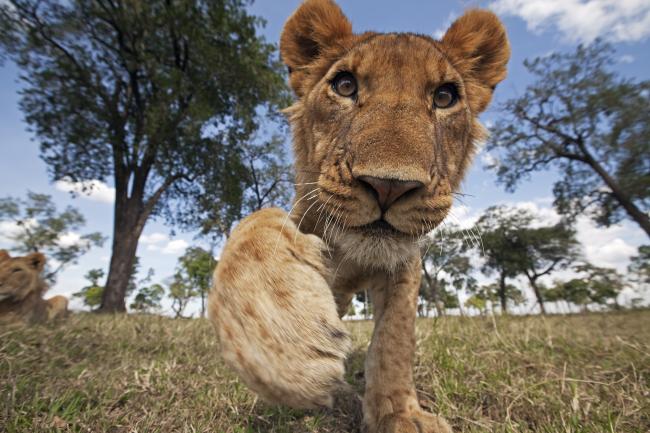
{"x":152,"y":374}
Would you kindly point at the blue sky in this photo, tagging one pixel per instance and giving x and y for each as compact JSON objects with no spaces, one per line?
{"x":535,"y":28}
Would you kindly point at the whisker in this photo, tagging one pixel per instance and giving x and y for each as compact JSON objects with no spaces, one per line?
{"x":301,"y":219}
{"x":286,"y":218}
{"x":321,"y":209}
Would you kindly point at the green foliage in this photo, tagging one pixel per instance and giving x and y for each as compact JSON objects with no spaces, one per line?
{"x":195,"y":268}
{"x":148,"y":298}
{"x":446,"y":266}
{"x":499,"y":228}
{"x":181,"y":291}
{"x":91,"y":295}
{"x":268,"y":181}
{"x":155,"y":96}
{"x":41,"y":228}
{"x":477,"y":302}
{"x":596,"y":285}
{"x":639,"y":267}
{"x":587,"y":123}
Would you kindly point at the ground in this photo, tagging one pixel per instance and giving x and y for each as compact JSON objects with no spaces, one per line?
{"x":93,"y":373}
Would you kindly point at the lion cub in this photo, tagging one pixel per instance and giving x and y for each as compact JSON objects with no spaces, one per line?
{"x":384,"y":127}
{"x":22,"y":288}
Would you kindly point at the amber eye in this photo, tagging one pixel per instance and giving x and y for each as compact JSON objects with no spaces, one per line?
{"x":345,"y":84}
{"x":445,"y":96}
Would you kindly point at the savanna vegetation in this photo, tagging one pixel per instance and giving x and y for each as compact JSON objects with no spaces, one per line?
{"x":144,"y":373}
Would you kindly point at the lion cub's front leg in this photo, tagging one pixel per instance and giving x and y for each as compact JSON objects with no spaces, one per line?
{"x":275,"y":314}
{"x":390,"y":402}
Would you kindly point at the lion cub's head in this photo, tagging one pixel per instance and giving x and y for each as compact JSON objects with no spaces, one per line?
{"x":20,"y":276}
{"x":385,"y":125}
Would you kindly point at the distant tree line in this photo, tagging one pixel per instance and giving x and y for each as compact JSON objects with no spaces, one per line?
{"x":510,"y":245}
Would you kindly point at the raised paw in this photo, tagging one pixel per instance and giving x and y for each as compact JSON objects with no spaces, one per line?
{"x":275,"y":313}
{"x":418,"y":422}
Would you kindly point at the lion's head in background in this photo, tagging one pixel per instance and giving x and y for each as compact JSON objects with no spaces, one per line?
{"x":21,"y":276}
{"x":22,"y":287}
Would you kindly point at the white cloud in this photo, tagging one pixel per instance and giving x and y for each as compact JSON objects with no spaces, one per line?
{"x":583,"y":20}
{"x":489,"y":160}
{"x":543,"y":215}
{"x":462,"y":216}
{"x":440,"y":31}
{"x":154,"y":238}
{"x":69,"y":239}
{"x":9,"y":229}
{"x":626,"y":58}
{"x":606,"y":246}
{"x":176,"y":246}
{"x":94,"y":190}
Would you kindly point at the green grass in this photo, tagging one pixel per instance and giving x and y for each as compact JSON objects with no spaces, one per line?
{"x":92,"y":373}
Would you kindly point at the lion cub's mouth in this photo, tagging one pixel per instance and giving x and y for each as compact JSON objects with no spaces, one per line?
{"x":381,"y":228}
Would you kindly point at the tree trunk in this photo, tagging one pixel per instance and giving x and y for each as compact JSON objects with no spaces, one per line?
{"x":640,"y":217}
{"x":125,"y":245}
{"x":202,"y":303}
{"x":538,"y":294}
{"x":435,"y":295}
{"x":129,"y":220}
{"x":366,"y":304}
{"x":502,"y":293}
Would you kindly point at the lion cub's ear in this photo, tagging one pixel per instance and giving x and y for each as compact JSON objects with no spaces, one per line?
{"x":36,"y":261}
{"x":316,"y":30}
{"x":4,"y":255}
{"x":478,"y":48}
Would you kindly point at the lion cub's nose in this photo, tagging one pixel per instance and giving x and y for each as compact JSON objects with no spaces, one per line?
{"x":387,"y":191}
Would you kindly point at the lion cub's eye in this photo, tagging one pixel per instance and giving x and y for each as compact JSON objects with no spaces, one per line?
{"x":445,"y":96}
{"x":345,"y":84}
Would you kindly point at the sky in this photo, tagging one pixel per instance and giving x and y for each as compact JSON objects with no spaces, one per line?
{"x":535,"y":28}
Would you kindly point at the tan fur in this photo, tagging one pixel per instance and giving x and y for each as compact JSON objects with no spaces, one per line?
{"x":282,"y":278}
{"x":22,"y":288}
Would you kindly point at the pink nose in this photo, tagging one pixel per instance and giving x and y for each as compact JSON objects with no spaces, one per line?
{"x":388,"y":191}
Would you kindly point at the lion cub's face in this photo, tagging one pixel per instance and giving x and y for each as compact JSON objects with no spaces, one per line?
{"x":385,"y":125}
{"x":19,"y":276}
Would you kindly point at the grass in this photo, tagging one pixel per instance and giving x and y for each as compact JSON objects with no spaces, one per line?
{"x":90,"y":373}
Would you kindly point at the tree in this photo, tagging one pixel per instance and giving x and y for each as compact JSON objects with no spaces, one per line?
{"x":181,"y":292}
{"x":351,"y":310}
{"x":155,"y":96}
{"x":367,"y":309}
{"x":148,"y":298}
{"x":196,"y":267}
{"x":460,"y":269}
{"x":477,"y":302}
{"x":268,"y":181}
{"x":445,"y":264}
{"x":501,"y":247}
{"x":639,"y":267}
{"x":91,"y":295}
{"x":595,"y":285}
{"x":544,"y":250}
{"x":588,"y":124}
{"x":491,"y":294}
{"x":39,"y":227}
